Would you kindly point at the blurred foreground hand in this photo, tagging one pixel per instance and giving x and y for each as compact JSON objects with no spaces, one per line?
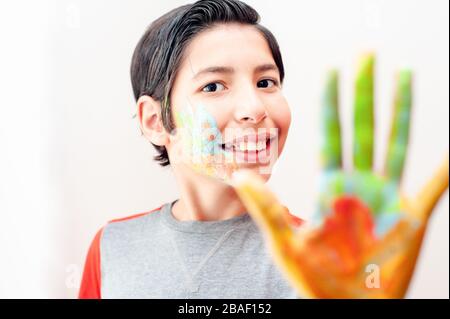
{"x":366,"y":237}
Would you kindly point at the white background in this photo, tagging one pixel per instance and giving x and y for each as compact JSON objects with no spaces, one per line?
{"x":72,"y":158}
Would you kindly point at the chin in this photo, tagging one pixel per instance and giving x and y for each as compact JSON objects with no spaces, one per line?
{"x":264,"y":171}
{"x":265,"y":177}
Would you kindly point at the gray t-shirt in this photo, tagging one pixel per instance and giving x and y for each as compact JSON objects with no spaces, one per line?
{"x":157,"y":256}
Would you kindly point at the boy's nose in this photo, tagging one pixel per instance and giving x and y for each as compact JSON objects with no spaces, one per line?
{"x":250,"y":108}
{"x":254,"y":118}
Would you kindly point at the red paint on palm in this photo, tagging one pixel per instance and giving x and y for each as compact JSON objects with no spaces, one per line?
{"x":347,"y":232}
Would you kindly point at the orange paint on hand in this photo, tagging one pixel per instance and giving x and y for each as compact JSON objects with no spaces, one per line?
{"x":348,"y":232}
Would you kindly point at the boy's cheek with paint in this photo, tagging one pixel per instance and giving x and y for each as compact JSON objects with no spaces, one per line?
{"x":198,"y":143}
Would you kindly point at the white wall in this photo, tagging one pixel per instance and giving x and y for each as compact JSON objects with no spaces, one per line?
{"x":72,"y":158}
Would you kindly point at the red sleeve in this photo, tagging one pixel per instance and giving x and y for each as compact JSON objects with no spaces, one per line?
{"x":91,"y":281}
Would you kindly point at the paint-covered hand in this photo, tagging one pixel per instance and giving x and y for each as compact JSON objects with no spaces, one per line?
{"x":366,"y":236}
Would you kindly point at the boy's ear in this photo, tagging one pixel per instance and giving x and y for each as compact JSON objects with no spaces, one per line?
{"x":149,"y":116}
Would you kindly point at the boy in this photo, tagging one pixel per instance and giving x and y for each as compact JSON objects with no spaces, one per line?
{"x":207,"y":82}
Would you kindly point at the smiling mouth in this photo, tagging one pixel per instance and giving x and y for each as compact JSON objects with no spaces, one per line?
{"x":251,"y":145}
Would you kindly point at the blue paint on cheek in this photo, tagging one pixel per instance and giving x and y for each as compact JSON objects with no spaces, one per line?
{"x":206,"y":134}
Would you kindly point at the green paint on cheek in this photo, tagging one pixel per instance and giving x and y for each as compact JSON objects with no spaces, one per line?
{"x":201,"y":131}
{"x":202,"y":141}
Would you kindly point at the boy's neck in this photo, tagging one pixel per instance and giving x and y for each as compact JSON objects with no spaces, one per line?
{"x":204,"y":198}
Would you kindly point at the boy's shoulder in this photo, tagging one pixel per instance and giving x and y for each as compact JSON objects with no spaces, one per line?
{"x":131,"y":225}
{"x":134,"y":217}
{"x":115,"y":234}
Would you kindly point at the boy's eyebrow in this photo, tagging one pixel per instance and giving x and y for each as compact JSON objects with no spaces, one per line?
{"x":266,"y":67}
{"x":225,"y":69}
{"x":214,"y":69}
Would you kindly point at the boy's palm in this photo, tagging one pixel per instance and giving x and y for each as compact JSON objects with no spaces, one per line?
{"x":366,"y":236}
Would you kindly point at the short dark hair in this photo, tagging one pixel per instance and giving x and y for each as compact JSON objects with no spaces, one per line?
{"x":159,"y":52}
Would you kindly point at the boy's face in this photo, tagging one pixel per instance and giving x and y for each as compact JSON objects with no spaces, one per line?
{"x":227,"y":104}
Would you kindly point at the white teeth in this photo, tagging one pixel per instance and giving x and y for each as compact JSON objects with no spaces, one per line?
{"x":251,"y":146}
{"x":261,"y":145}
{"x":246,"y":146}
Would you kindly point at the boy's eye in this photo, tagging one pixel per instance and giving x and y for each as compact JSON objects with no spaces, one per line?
{"x":213,"y":87}
{"x":266,"y":83}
